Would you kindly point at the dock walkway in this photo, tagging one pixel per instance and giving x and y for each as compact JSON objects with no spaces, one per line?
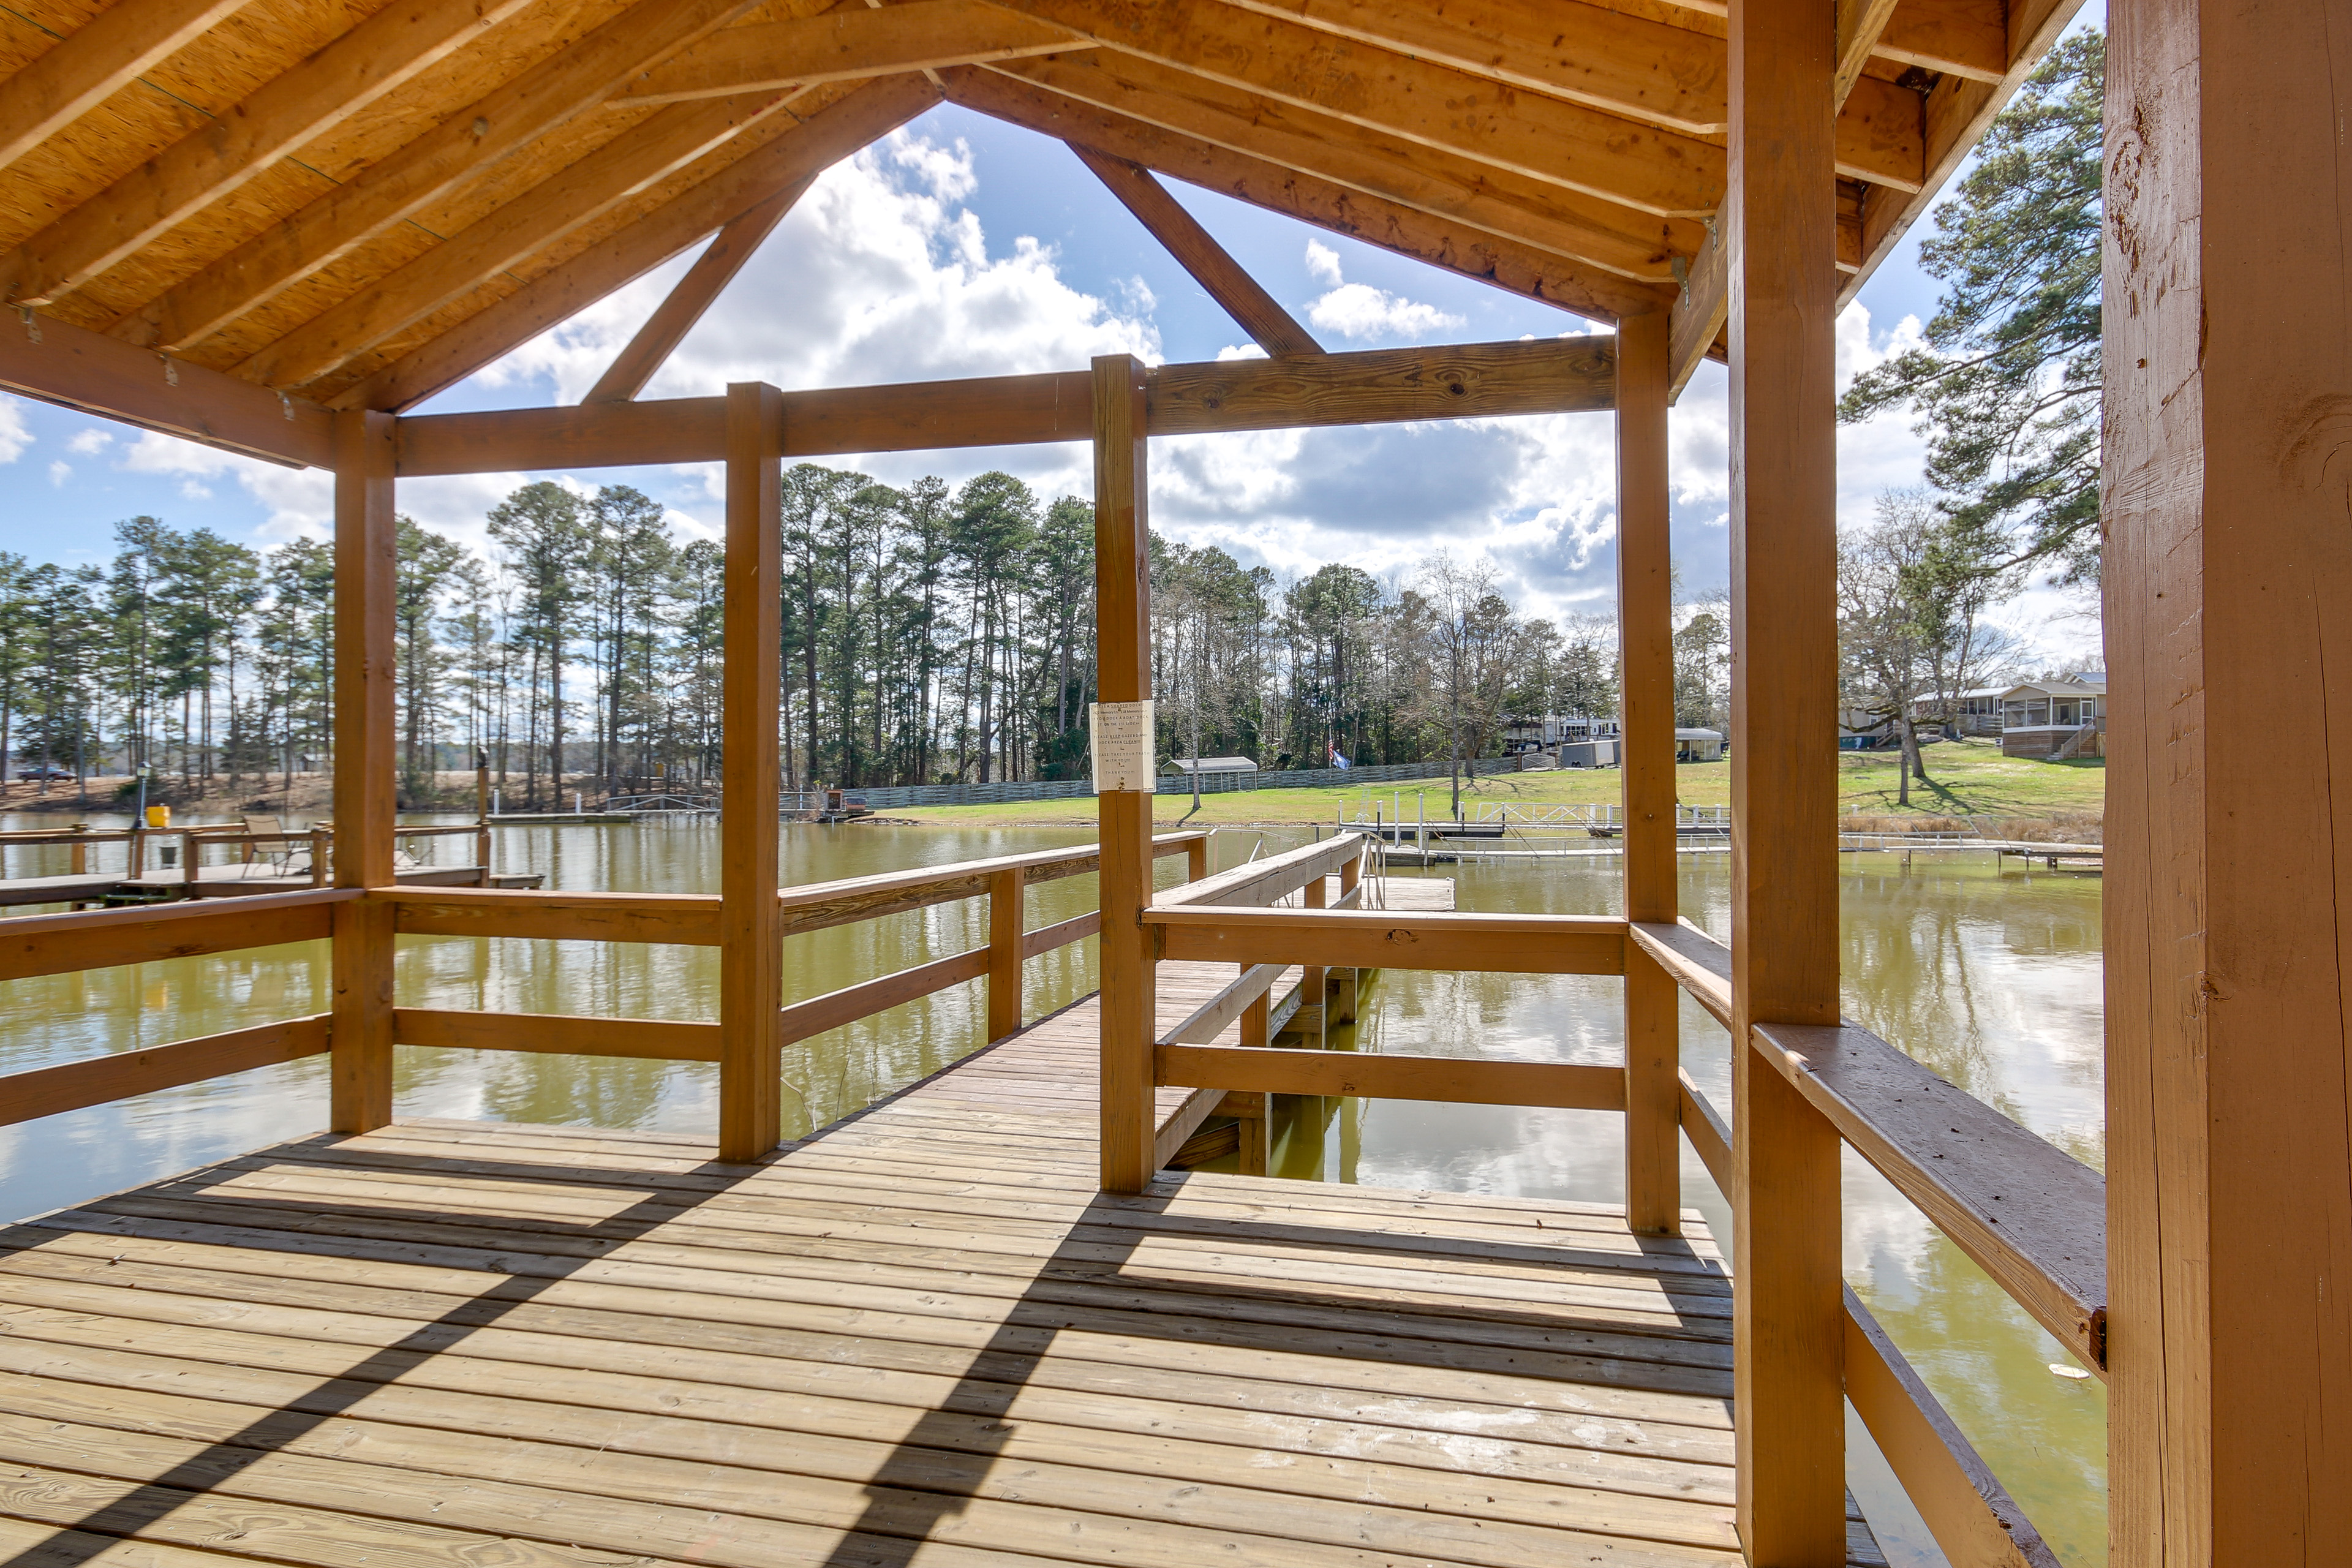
{"x":919,"y":1337}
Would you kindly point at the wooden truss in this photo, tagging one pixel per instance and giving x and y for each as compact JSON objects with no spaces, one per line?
{"x":356,"y":208}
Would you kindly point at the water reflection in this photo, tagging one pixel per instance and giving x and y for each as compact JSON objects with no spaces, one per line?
{"x":1992,"y":979}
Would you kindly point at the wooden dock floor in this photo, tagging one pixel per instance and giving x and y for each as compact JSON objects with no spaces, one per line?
{"x":921,"y":1337}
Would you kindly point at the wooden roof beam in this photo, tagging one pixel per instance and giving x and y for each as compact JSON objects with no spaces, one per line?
{"x":1673,"y":76}
{"x":1616,"y":238}
{"x":1375,"y":386}
{"x":847,"y":44}
{"x":1463,"y":249}
{"x":76,"y":368}
{"x":1951,"y":37}
{"x":360,"y":68}
{"x":1539,"y":137}
{"x":92,"y":64}
{"x":1958,"y":111}
{"x":1257,"y":312}
{"x":1626,"y":64}
{"x":1541,"y":134}
{"x":507,"y":236}
{"x":704,"y":281}
{"x":861,"y":116}
{"x":1699,"y":312}
{"x":1859,"y":25}
{"x":400,"y":186}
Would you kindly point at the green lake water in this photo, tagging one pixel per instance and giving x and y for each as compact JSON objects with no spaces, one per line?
{"x":1990,"y":978}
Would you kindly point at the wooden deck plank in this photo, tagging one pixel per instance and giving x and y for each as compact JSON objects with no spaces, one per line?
{"x":922,"y":1336}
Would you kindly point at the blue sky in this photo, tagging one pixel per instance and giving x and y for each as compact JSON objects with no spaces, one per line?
{"x":963,"y":246}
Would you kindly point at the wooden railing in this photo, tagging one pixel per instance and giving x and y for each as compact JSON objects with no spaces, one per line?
{"x":56,"y":945}
{"x":197,"y":837}
{"x":2029,"y":1214}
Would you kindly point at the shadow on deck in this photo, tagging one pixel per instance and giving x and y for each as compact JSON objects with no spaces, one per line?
{"x":921,"y":1337}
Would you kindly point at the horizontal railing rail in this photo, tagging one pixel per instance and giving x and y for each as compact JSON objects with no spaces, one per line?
{"x":100,"y":1080}
{"x":1573,"y":1086}
{"x":104,"y":939}
{"x":1376,"y":939}
{"x":1972,"y":1516}
{"x":692,"y":919}
{"x":53,"y":944}
{"x":2025,"y":1211}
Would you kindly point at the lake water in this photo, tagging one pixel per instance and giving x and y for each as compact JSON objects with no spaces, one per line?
{"x":1991,"y":978}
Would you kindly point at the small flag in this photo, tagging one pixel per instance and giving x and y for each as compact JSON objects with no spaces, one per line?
{"x":1337,"y":760}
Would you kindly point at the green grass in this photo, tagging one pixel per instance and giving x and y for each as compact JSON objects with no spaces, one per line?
{"x":1967,"y":778}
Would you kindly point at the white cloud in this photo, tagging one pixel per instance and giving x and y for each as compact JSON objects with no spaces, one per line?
{"x":59,"y":472}
{"x":1359,"y":311}
{"x":90,"y":443}
{"x":879,"y":275}
{"x":13,"y":436}
{"x":300,"y":501}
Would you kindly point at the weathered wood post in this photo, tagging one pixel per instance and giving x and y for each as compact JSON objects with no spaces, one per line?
{"x":2228,"y":580}
{"x":366,"y":563}
{"x":1788,"y":1322}
{"x":1311,"y":976}
{"x":751,"y":925}
{"x":1123,"y":660}
{"x":1007,"y":893}
{"x":1646,"y":768}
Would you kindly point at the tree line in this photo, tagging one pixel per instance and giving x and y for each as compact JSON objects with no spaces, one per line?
{"x":930,"y":634}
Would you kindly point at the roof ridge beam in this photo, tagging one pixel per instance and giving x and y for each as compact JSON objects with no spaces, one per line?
{"x":862,"y":116}
{"x":848,"y":44}
{"x":405,"y":183}
{"x":507,"y":235}
{"x":1512,"y":265}
{"x":1211,"y":266}
{"x":298,"y":105}
{"x":715,"y":268}
{"x":95,"y":61}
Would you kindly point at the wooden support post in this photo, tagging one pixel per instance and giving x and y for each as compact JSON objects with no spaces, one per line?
{"x":1253,"y":1114}
{"x":482,"y":816}
{"x":1257,"y":1020}
{"x":1006,"y":896}
{"x":1312,"y":975}
{"x":1123,"y":660}
{"x":1646,"y":759}
{"x":367,"y":566}
{"x":750,"y":923}
{"x":2228,"y":580}
{"x":1196,"y":859}
{"x":1788,"y":1316}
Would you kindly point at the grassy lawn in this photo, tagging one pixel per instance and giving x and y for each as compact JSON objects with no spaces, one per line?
{"x":1969,"y":778}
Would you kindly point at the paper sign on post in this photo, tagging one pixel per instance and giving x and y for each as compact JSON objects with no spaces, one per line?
{"x":1125,"y":736}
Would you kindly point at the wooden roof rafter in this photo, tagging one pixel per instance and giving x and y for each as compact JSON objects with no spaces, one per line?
{"x":398,"y":188}
{"x":376,"y":57}
{"x":376,"y":209}
{"x":1489,"y":256}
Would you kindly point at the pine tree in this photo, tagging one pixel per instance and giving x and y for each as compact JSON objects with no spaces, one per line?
{"x":2007,"y":389}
